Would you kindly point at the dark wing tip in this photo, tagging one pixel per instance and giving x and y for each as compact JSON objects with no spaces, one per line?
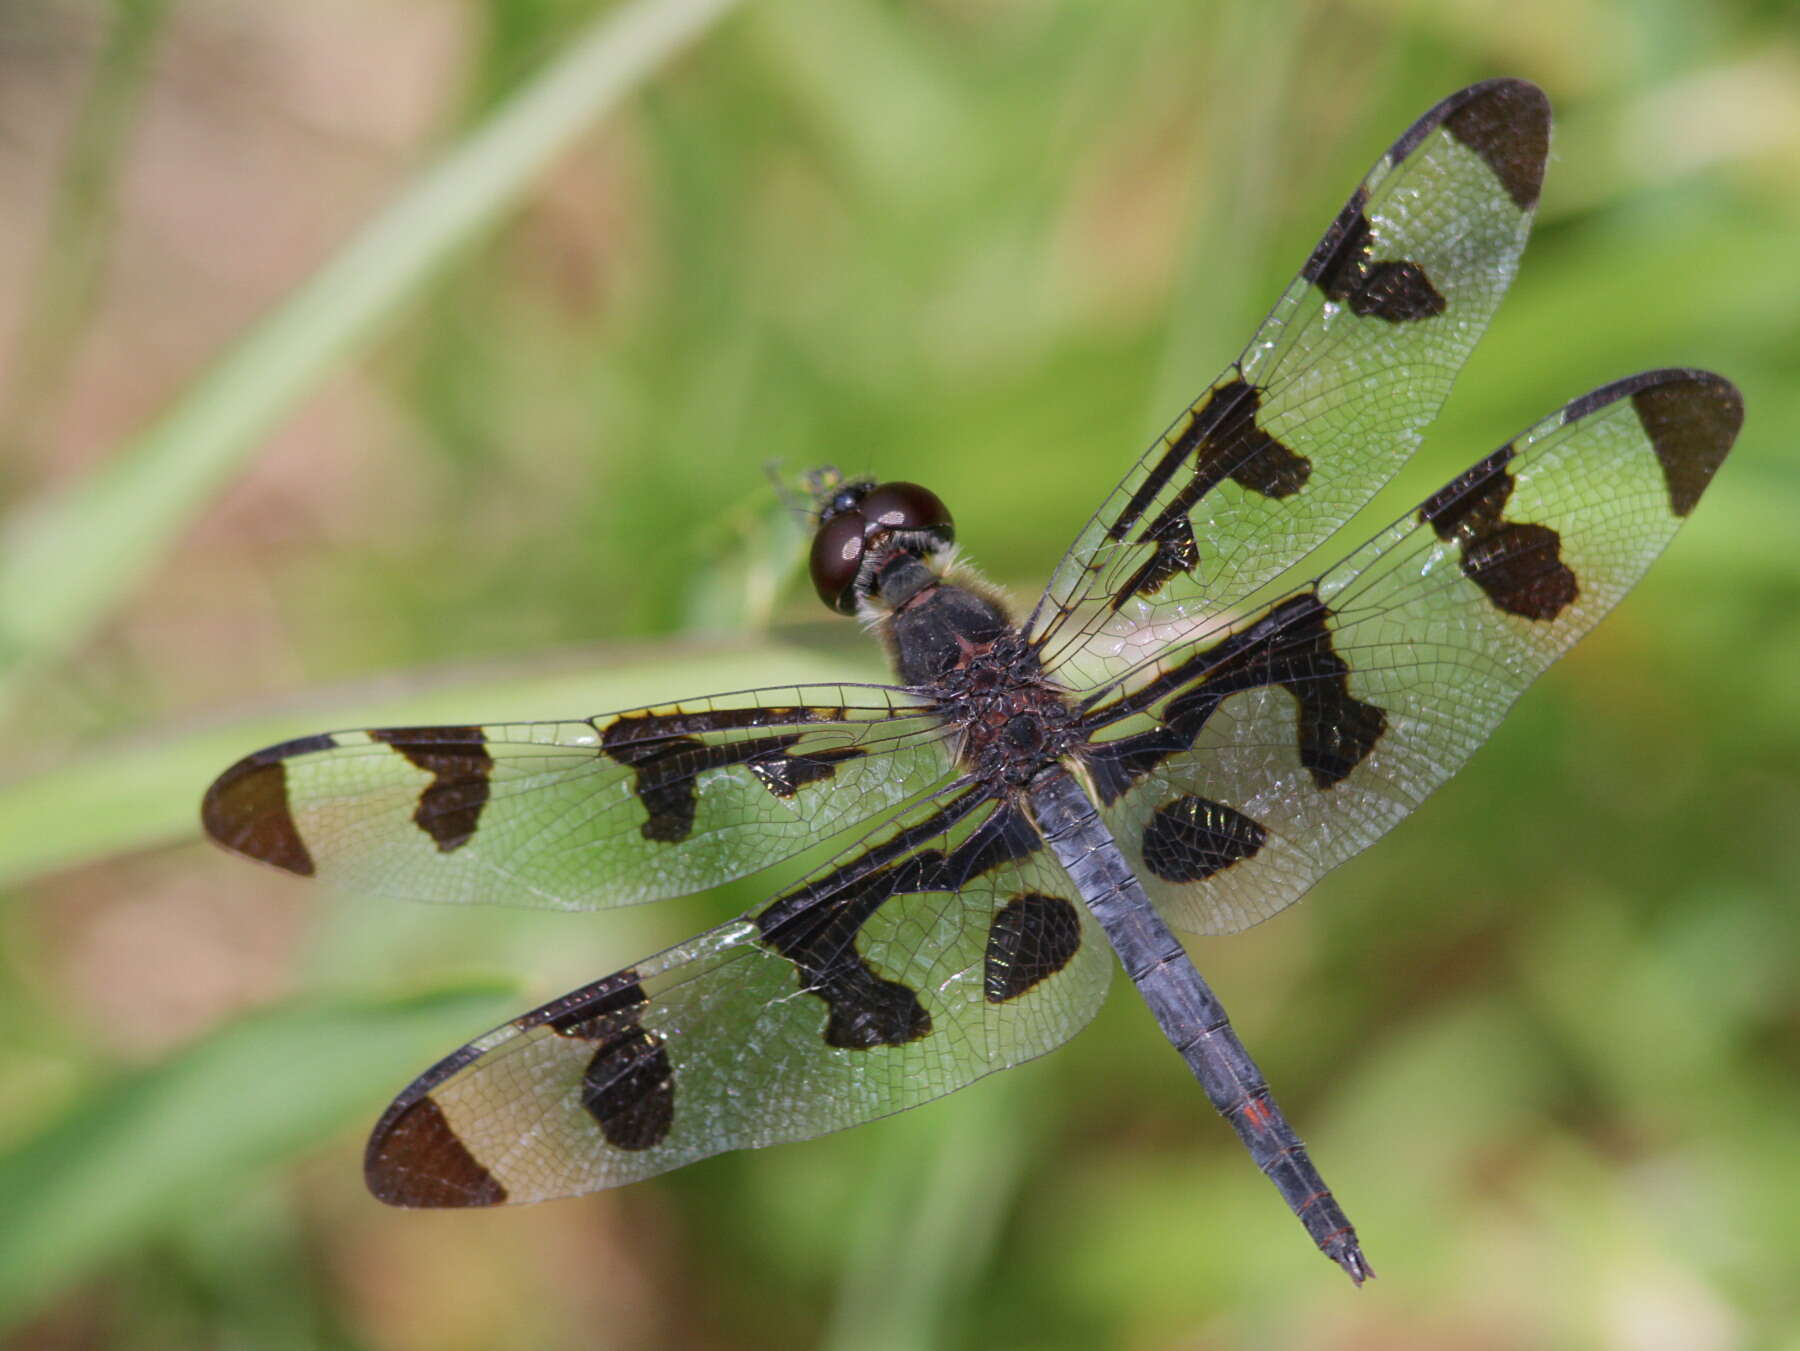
{"x":1506,"y":122}
{"x":246,"y":808}
{"x":1691,"y":418}
{"x":415,"y":1158}
{"x":1692,"y":422}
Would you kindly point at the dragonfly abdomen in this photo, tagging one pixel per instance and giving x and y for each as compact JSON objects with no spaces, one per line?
{"x":1187,"y":1010}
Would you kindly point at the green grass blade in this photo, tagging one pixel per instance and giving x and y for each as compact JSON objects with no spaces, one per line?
{"x":65,"y":284}
{"x":940,"y":1196}
{"x":148,"y":1148}
{"x":66,"y":564}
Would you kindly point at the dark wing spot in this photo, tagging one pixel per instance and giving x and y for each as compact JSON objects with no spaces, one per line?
{"x":1477,"y":495}
{"x":459,"y":764}
{"x":1395,"y":291}
{"x":665,"y":766}
{"x":1343,"y":267}
{"x":246,"y":808}
{"x":415,"y":1158}
{"x":816,"y":926}
{"x":1691,"y":425}
{"x":1229,"y":443}
{"x":1190,"y":838}
{"x":1223,"y":440}
{"x":1291,"y":647}
{"x":1507,"y":123}
{"x":1335,"y":257}
{"x":1031,"y":938}
{"x":864,"y":1009}
{"x":1176,"y":552}
{"x":1337,"y":731}
{"x":1005,"y":837}
{"x":784,"y":775}
{"x":667,"y":760}
{"x":629,"y":1085}
{"x":629,"y":1089}
{"x":663,"y":725}
{"x":1518,"y":565}
{"x":1520,"y":568}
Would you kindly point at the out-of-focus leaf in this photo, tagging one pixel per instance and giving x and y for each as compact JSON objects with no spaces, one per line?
{"x":65,"y":564}
{"x":942,"y":1195}
{"x":152,"y":1144}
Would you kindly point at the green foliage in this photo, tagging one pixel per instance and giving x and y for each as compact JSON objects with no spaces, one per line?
{"x":172,"y":1139}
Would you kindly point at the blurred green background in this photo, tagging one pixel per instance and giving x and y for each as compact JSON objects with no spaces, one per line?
{"x":268,"y":470}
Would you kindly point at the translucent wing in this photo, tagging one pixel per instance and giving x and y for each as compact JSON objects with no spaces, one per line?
{"x":1330,"y":397}
{"x":610,"y":810}
{"x":1245,"y":766}
{"x":947,"y":947}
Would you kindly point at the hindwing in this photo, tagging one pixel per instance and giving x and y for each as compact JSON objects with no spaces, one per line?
{"x":1243,"y":766}
{"x":945,"y":947}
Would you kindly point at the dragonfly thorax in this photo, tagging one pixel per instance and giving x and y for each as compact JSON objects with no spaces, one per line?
{"x":1014,"y":720}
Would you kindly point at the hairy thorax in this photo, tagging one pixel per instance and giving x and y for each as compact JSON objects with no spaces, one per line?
{"x":958,"y":646}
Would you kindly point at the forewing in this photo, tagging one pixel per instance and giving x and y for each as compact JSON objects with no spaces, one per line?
{"x":1248,"y":765}
{"x":947,"y":947}
{"x":611,"y":810}
{"x":1331,"y":396}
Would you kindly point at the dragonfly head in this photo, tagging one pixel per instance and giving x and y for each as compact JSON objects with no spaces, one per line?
{"x":863,"y":527}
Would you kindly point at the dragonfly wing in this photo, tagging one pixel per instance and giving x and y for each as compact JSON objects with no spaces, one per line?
{"x":1331,"y":396}
{"x":611,"y":810}
{"x":1247,"y":765}
{"x":947,"y":947}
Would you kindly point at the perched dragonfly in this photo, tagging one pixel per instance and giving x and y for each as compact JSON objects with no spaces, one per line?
{"x":1184,"y":733}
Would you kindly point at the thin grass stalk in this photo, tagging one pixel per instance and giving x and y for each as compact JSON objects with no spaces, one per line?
{"x":74,"y":559}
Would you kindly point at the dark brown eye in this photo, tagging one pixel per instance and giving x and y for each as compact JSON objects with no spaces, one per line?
{"x":860,"y":513}
{"x":907,"y":506}
{"x":837,"y":551}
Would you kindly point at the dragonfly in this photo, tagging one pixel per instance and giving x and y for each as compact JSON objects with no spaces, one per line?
{"x":1189,"y":728}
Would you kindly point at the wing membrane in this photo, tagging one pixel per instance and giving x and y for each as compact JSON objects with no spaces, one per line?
{"x":1331,"y":396}
{"x":949,"y":947}
{"x":1249,"y":765}
{"x":611,"y":810}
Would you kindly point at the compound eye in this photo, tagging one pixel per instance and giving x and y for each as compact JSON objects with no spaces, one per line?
{"x":837,"y":551}
{"x":907,"y":506}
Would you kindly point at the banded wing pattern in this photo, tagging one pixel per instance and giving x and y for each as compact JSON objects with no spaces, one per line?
{"x":1246,"y":766}
{"x":1333,"y":392}
{"x":611,"y":810}
{"x":944,"y":947}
